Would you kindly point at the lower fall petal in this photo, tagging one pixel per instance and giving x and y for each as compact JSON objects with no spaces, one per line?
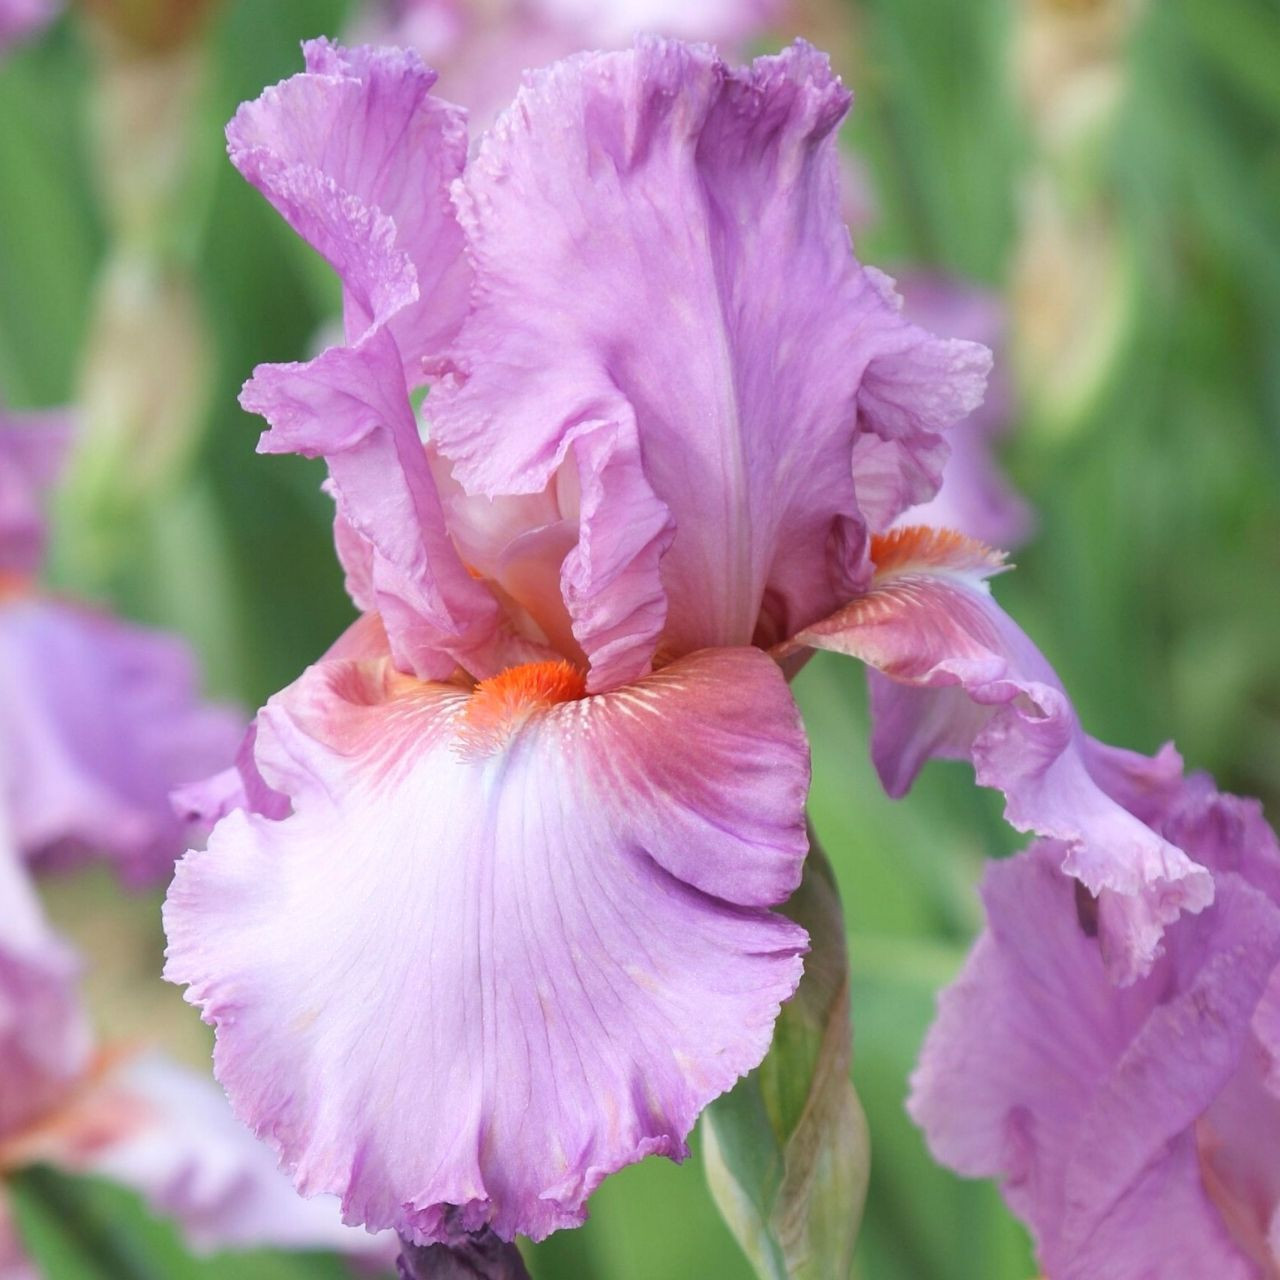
{"x":500,"y":948}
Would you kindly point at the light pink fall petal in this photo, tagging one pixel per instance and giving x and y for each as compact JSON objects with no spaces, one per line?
{"x":99,"y":720}
{"x":196,"y":1164}
{"x":662,"y":264}
{"x":32,"y":446}
{"x":486,"y":963}
{"x":956,"y":678}
{"x":1082,"y":1097}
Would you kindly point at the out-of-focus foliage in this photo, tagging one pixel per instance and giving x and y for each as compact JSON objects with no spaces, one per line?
{"x":1152,"y":582}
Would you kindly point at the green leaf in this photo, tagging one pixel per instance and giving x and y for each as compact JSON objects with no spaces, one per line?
{"x":786,"y":1152}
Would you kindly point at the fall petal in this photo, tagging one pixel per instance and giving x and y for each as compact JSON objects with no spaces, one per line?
{"x":499,"y":949}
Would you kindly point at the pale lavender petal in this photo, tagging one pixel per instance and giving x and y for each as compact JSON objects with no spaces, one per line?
{"x":955,"y":677}
{"x":500,"y":948}
{"x":195,"y":1163}
{"x":99,"y":720}
{"x":975,"y":497}
{"x":32,"y":446}
{"x":44,"y":1039}
{"x":660,"y":255}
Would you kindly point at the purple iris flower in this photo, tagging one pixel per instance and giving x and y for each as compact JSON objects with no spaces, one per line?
{"x":1135,"y":1130}
{"x":490,"y":911}
{"x":99,"y":718}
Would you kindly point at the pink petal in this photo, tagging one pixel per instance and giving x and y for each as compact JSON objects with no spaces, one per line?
{"x":195,"y":1163}
{"x":961,"y":680}
{"x":44,"y":1039}
{"x":661,"y":261}
{"x":502,"y":947}
{"x":99,"y":720}
{"x":357,"y":156}
{"x":32,"y":445}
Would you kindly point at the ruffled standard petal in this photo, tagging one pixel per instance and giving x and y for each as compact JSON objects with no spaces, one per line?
{"x":357,"y":156}
{"x":660,"y":255}
{"x":32,"y":446}
{"x":1084,"y":1098}
{"x":956,"y":678}
{"x":196,"y":1164}
{"x":99,"y":720}
{"x":506,"y":942}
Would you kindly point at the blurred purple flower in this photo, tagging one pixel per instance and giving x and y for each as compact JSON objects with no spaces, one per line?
{"x":99,"y":719}
{"x":974,"y":498}
{"x":496,"y":919}
{"x":140,"y":1121}
{"x":1136,"y":1131}
{"x":482,"y":49}
{"x":21,"y":19}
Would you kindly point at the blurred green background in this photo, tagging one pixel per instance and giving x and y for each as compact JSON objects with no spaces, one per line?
{"x":1151,"y":582}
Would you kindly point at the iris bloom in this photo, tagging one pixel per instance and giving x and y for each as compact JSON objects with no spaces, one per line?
{"x":496,"y":916}
{"x":138,"y":1120}
{"x":1136,"y":1131}
{"x":99,"y":718}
